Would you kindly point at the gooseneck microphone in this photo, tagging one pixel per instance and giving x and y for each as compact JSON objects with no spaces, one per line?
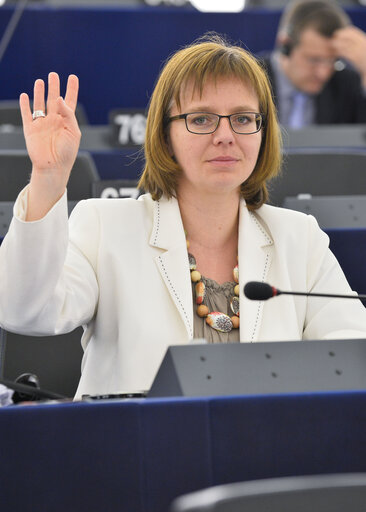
{"x":31,"y":391}
{"x":255,"y":290}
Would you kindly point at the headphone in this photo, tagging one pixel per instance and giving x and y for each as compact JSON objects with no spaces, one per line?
{"x":286,"y":48}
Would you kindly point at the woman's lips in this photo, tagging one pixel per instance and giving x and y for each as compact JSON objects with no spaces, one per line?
{"x":223,"y":160}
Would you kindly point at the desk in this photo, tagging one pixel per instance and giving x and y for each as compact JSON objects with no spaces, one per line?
{"x":136,"y":456}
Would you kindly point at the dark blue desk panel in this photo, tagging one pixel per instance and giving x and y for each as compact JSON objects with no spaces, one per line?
{"x":118,"y":52}
{"x":138,"y":455}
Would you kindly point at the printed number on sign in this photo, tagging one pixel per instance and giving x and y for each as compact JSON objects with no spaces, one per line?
{"x":121,"y":192}
{"x":132,"y":128}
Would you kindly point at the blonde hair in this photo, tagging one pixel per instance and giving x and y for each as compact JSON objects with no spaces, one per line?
{"x":209,"y":58}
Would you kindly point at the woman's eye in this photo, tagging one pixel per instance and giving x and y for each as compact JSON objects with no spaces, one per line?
{"x":242,"y":119}
{"x":200,"y":120}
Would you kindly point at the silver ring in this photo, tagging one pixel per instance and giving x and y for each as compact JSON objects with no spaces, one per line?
{"x":38,"y":113}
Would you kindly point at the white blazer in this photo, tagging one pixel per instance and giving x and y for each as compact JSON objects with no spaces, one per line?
{"x":120,"y":269}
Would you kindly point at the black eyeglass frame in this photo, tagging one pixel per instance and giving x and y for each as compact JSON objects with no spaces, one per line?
{"x":219,"y":117}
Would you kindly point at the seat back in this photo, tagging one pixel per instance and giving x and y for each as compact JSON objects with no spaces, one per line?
{"x":56,"y":360}
{"x":10,"y":115}
{"x":319,"y":172}
{"x":325,"y":135}
{"x":318,"y":493}
{"x":332,"y":212}
{"x":15,"y":169}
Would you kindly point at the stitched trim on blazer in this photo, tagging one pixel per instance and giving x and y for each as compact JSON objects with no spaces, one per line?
{"x":260,"y":305}
{"x":176,"y":296}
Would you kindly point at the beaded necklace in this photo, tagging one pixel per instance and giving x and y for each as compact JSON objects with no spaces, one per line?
{"x":217,"y":320}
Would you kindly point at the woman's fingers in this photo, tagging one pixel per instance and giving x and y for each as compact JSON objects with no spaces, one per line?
{"x":53,"y":91}
{"x":25,"y":109}
{"x":55,"y":103}
{"x":71,"y":96}
{"x":63,"y":109}
{"x":69,"y":117}
{"x":38,"y":98}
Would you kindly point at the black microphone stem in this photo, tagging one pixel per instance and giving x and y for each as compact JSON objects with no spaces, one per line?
{"x":331,"y":295}
{"x":31,"y":390}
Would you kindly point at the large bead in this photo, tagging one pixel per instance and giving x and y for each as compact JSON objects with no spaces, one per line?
{"x":202,"y":311}
{"x":234,"y":305}
{"x":236,"y":321}
{"x":237,"y":290}
{"x":236,"y":273}
{"x":200,"y":292}
{"x":219,"y":321}
{"x":192,"y":262}
{"x":195,"y":276}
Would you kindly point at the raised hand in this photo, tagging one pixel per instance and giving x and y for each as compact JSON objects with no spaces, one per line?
{"x":52,"y":142}
{"x":350,"y":43}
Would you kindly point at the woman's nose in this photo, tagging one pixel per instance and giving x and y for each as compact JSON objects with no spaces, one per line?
{"x":223,"y":133}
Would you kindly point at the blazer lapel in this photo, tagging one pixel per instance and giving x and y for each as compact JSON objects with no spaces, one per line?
{"x":255,"y":256}
{"x":168,"y":234}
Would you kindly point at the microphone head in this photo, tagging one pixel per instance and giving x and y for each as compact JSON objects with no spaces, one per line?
{"x":255,"y":290}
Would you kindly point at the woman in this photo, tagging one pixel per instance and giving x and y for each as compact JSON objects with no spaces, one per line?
{"x":121,"y":268}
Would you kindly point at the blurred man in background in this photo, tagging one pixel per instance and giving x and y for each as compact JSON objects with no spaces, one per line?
{"x":311,"y":82}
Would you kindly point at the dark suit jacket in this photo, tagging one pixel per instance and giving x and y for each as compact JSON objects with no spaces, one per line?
{"x":342,"y":101}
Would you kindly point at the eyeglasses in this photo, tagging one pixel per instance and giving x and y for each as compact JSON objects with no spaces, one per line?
{"x":320,"y":61}
{"x":203,"y":123}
